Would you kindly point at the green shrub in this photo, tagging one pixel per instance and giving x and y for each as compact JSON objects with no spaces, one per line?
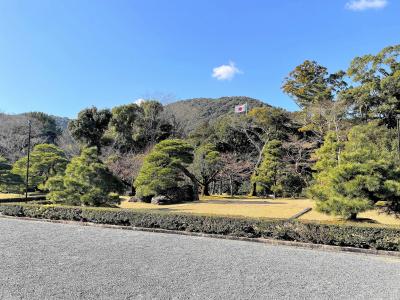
{"x":87,"y":181}
{"x":352,"y":235}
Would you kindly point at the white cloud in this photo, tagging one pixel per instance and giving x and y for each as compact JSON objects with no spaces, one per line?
{"x":366,"y":4}
{"x":226,"y":72}
{"x":139,"y":101}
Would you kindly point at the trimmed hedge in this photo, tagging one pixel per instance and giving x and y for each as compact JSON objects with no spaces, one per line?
{"x":22,"y":199}
{"x":354,"y":235}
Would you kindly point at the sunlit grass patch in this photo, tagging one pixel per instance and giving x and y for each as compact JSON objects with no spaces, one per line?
{"x":7,"y":196}
{"x":253,"y":207}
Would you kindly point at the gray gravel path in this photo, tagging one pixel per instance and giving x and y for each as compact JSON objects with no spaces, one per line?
{"x":40,"y":260}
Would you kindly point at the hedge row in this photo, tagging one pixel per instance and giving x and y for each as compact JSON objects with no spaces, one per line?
{"x":23,"y":199}
{"x":358,"y":235}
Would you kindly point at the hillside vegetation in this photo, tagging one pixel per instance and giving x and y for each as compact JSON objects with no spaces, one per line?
{"x":192,"y":113}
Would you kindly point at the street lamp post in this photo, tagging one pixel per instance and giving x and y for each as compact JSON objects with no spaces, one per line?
{"x":27,"y":164}
{"x":398,"y":134}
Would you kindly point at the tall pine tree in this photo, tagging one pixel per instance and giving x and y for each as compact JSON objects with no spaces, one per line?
{"x":365,"y":172}
{"x":271,"y":170}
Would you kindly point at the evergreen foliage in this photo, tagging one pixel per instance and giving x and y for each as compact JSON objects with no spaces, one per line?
{"x":9,"y":182}
{"x":90,"y":126}
{"x":366,"y":171}
{"x":270,"y":173}
{"x":376,"y":93}
{"x":87,"y":181}
{"x":315,"y":90}
{"x":125,"y":123}
{"x":154,"y":127}
{"x":164,"y":168}
{"x":46,"y":160}
{"x":134,"y":127}
{"x":206,"y":165}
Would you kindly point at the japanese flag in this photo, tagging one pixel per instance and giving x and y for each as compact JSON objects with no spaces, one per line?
{"x":240,"y":108}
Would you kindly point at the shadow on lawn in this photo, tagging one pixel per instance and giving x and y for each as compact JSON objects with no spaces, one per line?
{"x":365,"y":220}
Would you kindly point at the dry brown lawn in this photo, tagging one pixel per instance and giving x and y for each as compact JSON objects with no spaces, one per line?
{"x":250,"y":207}
{"x":257,"y":208}
{"x":5,"y":196}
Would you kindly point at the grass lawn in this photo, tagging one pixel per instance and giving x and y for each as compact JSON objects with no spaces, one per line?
{"x":6,"y":196}
{"x":249,"y":207}
{"x":256,"y":208}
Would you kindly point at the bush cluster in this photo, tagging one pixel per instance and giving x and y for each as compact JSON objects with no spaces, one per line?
{"x":355,"y":235}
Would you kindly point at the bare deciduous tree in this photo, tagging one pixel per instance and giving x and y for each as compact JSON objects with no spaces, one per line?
{"x":234,"y":169}
{"x":14,"y":135}
{"x":126,"y":166}
{"x":68,"y":144}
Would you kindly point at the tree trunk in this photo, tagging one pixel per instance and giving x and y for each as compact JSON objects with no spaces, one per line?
{"x":353,"y":216}
{"x":194,"y":182}
{"x":129,"y":186}
{"x":231,"y":185}
{"x":195,"y":191}
{"x":204,"y":190}
{"x":133,"y":190}
{"x":213,"y":188}
{"x":254,"y":189}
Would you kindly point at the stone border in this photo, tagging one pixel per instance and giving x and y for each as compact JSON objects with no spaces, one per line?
{"x":274,"y":242}
{"x":299,"y":214}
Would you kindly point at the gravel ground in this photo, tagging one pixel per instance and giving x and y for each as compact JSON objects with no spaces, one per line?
{"x":40,"y":260}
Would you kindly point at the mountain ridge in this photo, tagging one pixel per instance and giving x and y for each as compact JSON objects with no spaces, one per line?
{"x":190,"y":112}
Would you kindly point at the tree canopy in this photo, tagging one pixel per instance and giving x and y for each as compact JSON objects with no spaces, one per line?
{"x":376,"y":94}
{"x":9,"y":182}
{"x":366,"y":171}
{"x":134,"y":127}
{"x":125,"y":125}
{"x":46,"y":160}
{"x":90,"y":126}
{"x":87,"y":181}
{"x":165,"y":168}
{"x":206,"y":165}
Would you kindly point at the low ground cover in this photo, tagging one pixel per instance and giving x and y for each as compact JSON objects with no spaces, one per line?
{"x":254,"y":207}
{"x":368,"y":236}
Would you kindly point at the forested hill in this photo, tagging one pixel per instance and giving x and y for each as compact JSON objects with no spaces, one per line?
{"x":62,"y":122}
{"x":193,"y":112}
{"x":190,"y":113}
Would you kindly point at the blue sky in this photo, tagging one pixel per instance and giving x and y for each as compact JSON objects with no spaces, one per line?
{"x":62,"y":56}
